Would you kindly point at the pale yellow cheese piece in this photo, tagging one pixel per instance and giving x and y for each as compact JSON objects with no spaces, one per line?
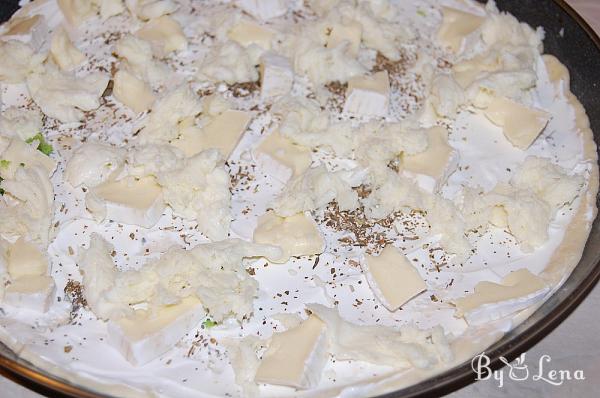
{"x":25,"y":259}
{"x":223,"y":133}
{"x":521,"y":124}
{"x":247,"y":33}
{"x":283,"y":150}
{"x":297,"y":235}
{"x":515,"y":285}
{"x":132,"y":92}
{"x":436,"y":160}
{"x":457,"y":24}
{"x":165,"y":35}
{"x":350,"y":33}
{"x":144,"y":336}
{"x":76,"y":11}
{"x":392,"y":278}
{"x":63,"y":52}
{"x":295,"y":357}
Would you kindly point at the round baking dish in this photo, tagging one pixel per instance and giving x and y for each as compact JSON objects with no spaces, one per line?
{"x":570,"y":39}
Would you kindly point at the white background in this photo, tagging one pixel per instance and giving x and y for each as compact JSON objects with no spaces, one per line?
{"x":575,"y":344}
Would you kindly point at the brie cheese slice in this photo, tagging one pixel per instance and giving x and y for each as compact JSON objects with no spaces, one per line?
{"x":35,"y":293}
{"x":276,"y":75}
{"x":297,"y":235}
{"x":521,"y":124}
{"x":432,"y":167}
{"x":144,"y":337}
{"x":165,"y":35}
{"x":132,"y":92}
{"x":457,"y":24}
{"x":368,"y":95}
{"x":222,"y":133}
{"x":295,"y":357}
{"x":25,"y":259}
{"x":281,"y":149}
{"x":392,"y":278}
{"x":129,"y":200}
{"x":247,"y":33}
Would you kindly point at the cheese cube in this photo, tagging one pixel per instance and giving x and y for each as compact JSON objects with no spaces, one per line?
{"x":144,"y":337}
{"x":281,"y":149}
{"x":247,"y":33}
{"x":368,"y":95}
{"x":25,"y":259}
{"x":297,"y":235}
{"x":63,"y":52}
{"x":521,"y":124}
{"x":263,"y":9}
{"x":32,"y":30}
{"x":350,"y":33}
{"x":432,"y":167}
{"x":276,"y":76}
{"x":295,"y":357}
{"x":223,"y":133}
{"x":129,"y":200}
{"x":457,"y":24}
{"x":392,"y":278}
{"x":132,"y":92}
{"x":35,"y":293}
{"x":165,"y":35}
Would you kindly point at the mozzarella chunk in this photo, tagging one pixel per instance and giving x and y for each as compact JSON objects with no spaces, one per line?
{"x":491,"y":301}
{"x":132,"y":92}
{"x":230,"y":63}
{"x":165,"y":35}
{"x":63,"y":52}
{"x":222,"y":132}
{"x":247,"y":33}
{"x":281,"y":149}
{"x":295,"y":357}
{"x":446,"y":96}
{"x":146,"y":336}
{"x":297,"y":235}
{"x":35,"y":293}
{"x":276,"y":76}
{"x":94,"y":163}
{"x":25,"y":259}
{"x":432,"y":167}
{"x":152,"y":160}
{"x":128,"y":200}
{"x":22,"y":123}
{"x":392,"y":278}
{"x":137,"y":57}
{"x":17,"y":61}
{"x":368,"y":95}
{"x":457,"y":24}
{"x":199,"y":190}
{"x":65,"y":97}
{"x":263,"y":9}
{"x":521,"y":124}
{"x":340,"y":33}
{"x":168,"y":112}
{"x":31,"y":29}
{"x":76,"y":11}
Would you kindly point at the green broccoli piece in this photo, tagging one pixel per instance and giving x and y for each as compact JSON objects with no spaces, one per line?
{"x":43,"y":146}
{"x":4,"y":163}
{"x":209,"y":323}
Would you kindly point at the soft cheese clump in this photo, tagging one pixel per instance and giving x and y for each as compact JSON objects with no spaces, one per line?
{"x":17,"y":61}
{"x":93,"y":163}
{"x":230,"y":63}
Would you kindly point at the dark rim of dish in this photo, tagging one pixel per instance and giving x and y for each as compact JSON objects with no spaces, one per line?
{"x":524,"y":336}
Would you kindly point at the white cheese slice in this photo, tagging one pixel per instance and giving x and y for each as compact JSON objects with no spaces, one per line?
{"x":132,"y":92}
{"x":63,"y":52}
{"x":297,"y":235}
{"x":521,"y":124}
{"x":350,"y":33}
{"x":129,"y":200}
{"x":32,"y":30}
{"x":392,"y":278}
{"x":281,"y":149}
{"x":457,"y":24}
{"x":165,"y":35}
{"x":263,"y":9}
{"x":35,"y":293}
{"x":25,"y":259}
{"x":223,"y":133}
{"x":276,"y":75}
{"x":248,"y":32}
{"x":368,"y":95}
{"x":142,"y":338}
{"x":491,"y":301}
{"x":432,"y":167}
{"x":295,"y":357}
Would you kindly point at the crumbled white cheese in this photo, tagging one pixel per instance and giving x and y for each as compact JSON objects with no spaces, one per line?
{"x":230,"y":63}
{"x":93,"y":163}
{"x":65,"y":97}
{"x":151,"y":160}
{"x":446,"y":95}
{"x":22,"y":123}
{"x":137,"y":56}
{"x":17,"y":61}
{"x":164,"y":34}
{"x":132,"y":92}
{"x":152,"y":9}
{"x":63,"y":52}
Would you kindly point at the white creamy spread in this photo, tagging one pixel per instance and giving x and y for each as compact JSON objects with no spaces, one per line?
{"x":227,"y":181}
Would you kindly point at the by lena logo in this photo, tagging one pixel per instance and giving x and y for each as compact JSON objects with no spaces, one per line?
{"x":518,"y":370}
